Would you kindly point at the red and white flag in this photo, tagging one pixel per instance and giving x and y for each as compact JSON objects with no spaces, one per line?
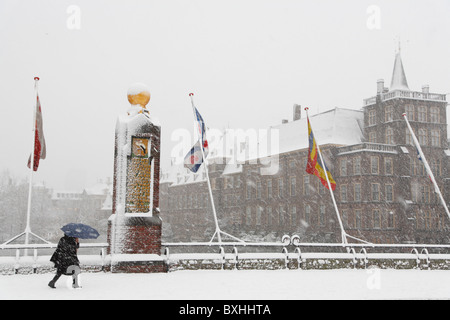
{"x":39,"y":141}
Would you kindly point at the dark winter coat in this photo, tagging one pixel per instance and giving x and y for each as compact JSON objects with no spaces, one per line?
{"x":65,"y":254}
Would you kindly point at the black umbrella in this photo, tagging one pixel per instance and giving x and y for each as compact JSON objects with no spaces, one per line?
{"x":79,"y":230}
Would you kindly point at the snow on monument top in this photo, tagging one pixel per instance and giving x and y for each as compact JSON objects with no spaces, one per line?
{"x":138,"y":94}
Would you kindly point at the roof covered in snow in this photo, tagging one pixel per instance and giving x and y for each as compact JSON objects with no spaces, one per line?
{"x":339,"y":126}
{"x":398,"y":81}
{"x":178,"y":175}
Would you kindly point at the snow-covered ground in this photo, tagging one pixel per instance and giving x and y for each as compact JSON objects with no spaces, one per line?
{"x":236,"y":285}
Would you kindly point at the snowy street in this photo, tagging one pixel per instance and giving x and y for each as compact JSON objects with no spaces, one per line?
{"x":235,"y":285}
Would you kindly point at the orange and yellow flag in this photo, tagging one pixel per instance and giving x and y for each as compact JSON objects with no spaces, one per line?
{"x":314,"y":165}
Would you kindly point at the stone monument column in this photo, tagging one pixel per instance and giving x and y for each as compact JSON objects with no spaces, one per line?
{"x":134,"y":228}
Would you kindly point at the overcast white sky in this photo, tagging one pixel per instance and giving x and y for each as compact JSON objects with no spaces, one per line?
{"x":247,"y":62}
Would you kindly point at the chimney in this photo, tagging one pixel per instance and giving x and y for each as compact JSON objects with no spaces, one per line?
{"x":297,"y":112}
{"x":425,"y":88}
{"x":380,"y":86}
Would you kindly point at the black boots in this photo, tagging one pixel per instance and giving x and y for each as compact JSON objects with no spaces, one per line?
{"x":51,"y":284}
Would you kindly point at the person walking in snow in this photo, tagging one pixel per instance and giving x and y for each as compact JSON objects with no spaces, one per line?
{"x":64,"y":257}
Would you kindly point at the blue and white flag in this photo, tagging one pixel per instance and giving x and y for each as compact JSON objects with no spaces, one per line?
{"x":201,"y":130}
{"x":429,"y":171}
{"x":194,"y":159}
{"x":418,"y":155}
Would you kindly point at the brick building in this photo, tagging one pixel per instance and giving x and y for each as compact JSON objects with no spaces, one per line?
{"x":383,"y":192}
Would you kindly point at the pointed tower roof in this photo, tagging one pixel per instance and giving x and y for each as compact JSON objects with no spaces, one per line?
{"x":398,"y":81}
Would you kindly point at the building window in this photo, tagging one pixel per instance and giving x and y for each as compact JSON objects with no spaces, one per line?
{"x":390,"y":220}
{"x":343,"y":193}
{"x":195,"y":201}
{"x":206,"y":200}
{"x":435,"y":138}
{"x":230,"y":182}
{"x":258,"y":190}
{"x":281,"y":215}
{"x":307,"y":213}
{"x":276,"y":217}
{"x":409,"y":138}
{"x":389,"y":136}
{"x":435,"y":165}
{"x":389,"y":191}
{"x":418,"y":166}
{"x":434,"y":115}
{"x":373,"y":137}
{"x":376,"y":219}
{"x":249,"y":190}
{"x":422,"y":114}
{"x":322,"y":215}
{"x":358,"y":219}
{"x":374,"y":165}
{"x":305,"y":162}
{"x":343,"y":167}
{"x":375,"y":192}
{"x":388,"y":167}
{"x":420,"y":217}
{"x":280,"y":187}
{"x":357,"y":166}
{"x":372,"y":117}
{"x":423,"y":137}
{"x":410,"y":112}
{"x":238,"y":182}
{"x":414,"y":191}
{"x":292,"y":164}
{"x":428,"y":219}
{"x":269,"y":189}
{"x":425,"y":194}
{"x":293,"y":185}
{"x":306,"y":189}
{"x":321,"y":189}
{"x":248,"y":216}
{"x":269,"y":216}
{"x":389,"y":113}
{"x":258,"y":215}
{"x":294,"y":218}
{"x":357,"y":192}
{"x":345,"y":218}
{"x":288,"y":217}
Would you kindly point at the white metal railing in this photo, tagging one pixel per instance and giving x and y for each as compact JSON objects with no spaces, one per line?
{"x":408,"y":95}
{"x":373,"y":147}
{"x":34,"y":260}
{"x":289,"y":249}
{"x":357,"y":253}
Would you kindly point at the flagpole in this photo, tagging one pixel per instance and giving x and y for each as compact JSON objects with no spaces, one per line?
{"x":218,"y":232}
{"x":343,"y":233}
{"x":27,"y":231}
{"x":30,"y":187}
{"x":427,"y":166}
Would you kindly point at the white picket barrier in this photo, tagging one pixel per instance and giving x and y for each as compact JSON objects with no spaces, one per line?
{"x":235,"y":254}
